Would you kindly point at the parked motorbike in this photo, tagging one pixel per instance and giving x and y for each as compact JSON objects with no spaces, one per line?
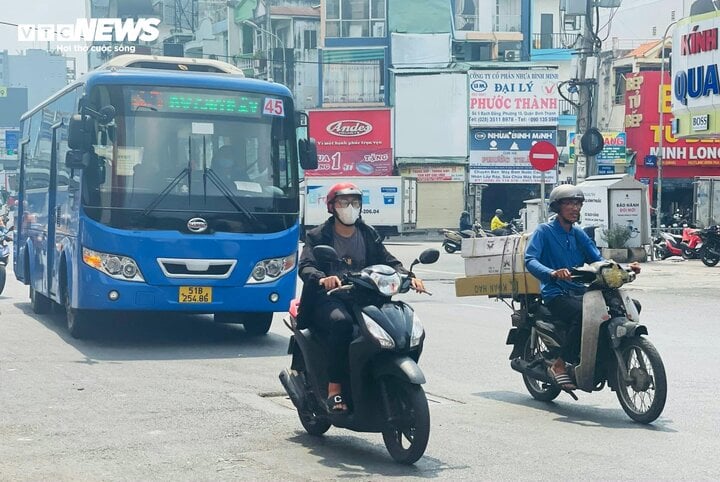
{"x":453,"y":239}
{"x":691,"y":243}
{"x":384,"y":393}
{"x":5,"y":238}
{"x":613,"y":350}
{"x":666,"y":245}
{"x":709,"y":248}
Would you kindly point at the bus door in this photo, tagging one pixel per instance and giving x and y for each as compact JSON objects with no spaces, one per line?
{"x":52,"y":249}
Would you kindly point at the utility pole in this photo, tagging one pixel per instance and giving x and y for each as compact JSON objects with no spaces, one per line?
{"x":585,"y":165}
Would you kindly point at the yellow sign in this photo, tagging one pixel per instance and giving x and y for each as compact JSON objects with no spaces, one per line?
{"x":3,"y":91}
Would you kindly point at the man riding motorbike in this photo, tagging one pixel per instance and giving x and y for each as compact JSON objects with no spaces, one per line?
{"x":556,"y":247}
{"x":497,"y":226}
{"x":359,"y":246}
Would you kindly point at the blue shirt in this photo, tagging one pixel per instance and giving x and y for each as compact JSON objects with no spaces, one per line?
{"x":552,"y":248}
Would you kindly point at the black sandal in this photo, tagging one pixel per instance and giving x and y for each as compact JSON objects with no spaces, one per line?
{"x":335,"y":404}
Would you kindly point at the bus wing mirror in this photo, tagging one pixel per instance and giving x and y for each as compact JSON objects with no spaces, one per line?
{"x":301,"y":119}
{"x":77,"y":159}
{"x":308,"y":154}
{"x":80,"y":132}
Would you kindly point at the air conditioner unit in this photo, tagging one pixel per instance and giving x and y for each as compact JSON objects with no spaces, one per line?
{"x":512,"y":56}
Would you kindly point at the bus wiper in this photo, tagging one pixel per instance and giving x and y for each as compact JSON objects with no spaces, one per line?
{"x":208,"y":173}
{"x":159,"y":198}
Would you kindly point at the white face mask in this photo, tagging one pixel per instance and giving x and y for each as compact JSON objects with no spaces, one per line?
{"x":348,"y":215}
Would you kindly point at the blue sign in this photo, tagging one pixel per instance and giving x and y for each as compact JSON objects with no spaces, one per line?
{"x":645,"y":180}
{"x":651,"y":160}
{"x":509,"y":139}
{"x":605,"y":169}
{"x":11,"y":142}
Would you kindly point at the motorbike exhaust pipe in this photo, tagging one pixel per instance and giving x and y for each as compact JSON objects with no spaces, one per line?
{"x":290,"y":383}
{"x":537,"y":372}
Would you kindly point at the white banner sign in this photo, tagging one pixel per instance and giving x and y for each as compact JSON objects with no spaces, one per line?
{"x":513,"y":97}
{"x":505,"y":167}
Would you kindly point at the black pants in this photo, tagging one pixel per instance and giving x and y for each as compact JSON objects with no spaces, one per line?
{"x":332,"y":319}
{"x":568,"y":309}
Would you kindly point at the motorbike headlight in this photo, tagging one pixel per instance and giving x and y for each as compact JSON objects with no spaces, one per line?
{"x":614,"y":276}
{"x":387,"y":284}
{"x":271,"y":269}
{"x":417,"y":331}
{"x":114,"y":265}
{"x":378,"y":332}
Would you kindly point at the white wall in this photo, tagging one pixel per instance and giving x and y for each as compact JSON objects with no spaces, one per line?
{"x":431,"y":115}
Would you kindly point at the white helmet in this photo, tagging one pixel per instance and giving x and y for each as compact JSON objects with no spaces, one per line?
{"x":564,"y":191}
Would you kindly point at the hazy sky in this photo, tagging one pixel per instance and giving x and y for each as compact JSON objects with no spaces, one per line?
{"x":34,"y":12}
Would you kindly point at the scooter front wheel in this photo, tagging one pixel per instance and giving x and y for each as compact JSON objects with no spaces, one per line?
{"x":710,"y":260}
{"x":407,"y":437}
{"x":643,"y":395}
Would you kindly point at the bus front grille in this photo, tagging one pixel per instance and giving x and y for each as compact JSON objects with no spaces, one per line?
{"x":197,"y":268}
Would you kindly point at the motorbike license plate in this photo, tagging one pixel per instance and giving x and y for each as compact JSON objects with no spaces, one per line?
{"x":195,"y":294}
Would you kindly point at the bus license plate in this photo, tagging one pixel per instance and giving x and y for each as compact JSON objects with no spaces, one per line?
{"x":195,"y":294}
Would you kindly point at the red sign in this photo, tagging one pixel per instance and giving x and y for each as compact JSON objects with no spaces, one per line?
{"x":543,"y":156}
{"x":352,"y":142}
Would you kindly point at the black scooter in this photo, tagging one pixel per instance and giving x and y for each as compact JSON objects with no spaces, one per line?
{"x":385,"y":393}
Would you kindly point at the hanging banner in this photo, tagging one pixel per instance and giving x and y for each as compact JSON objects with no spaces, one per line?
{"x":513,"y":97}
{"x":352,"y":142}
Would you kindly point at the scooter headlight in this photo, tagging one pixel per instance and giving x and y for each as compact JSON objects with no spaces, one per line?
{"x":387,"y":283}
{"x":378,"y":332}
{"x":417,"y":331}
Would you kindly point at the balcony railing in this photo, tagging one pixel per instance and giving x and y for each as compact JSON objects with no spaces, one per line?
{"x":500,"y":23}
{"x":566,"y":108}
{"x":555,"y":40}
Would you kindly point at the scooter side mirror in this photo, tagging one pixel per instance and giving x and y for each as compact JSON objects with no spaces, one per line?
{"x":429,"y":256}
{"x":325,"y":254}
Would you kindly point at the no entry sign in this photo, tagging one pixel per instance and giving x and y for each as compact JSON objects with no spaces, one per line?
{"x":543,"y":156}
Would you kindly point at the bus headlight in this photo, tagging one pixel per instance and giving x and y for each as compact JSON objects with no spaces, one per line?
{"x":271,"y":269}
{"x":113,"y":265}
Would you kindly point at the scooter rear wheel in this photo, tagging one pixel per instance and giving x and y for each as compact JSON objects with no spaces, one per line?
{"x":314,"y":424}
{"x":539,"y":390}
{"x":407,"y":438}
{"x":449,"y":248}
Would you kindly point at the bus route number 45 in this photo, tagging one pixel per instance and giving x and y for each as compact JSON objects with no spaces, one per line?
{"x":273,"y":107}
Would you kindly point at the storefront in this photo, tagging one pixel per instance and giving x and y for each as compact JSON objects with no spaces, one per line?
{"x":682,"y":159}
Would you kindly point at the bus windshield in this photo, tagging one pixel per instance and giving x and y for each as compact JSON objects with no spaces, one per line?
{"x":175,"y":151}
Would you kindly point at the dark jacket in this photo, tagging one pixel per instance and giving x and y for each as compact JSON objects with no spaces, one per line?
{"x":310,"y":270}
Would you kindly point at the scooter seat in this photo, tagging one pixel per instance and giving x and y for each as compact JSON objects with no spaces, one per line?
{"x":467,"y":233}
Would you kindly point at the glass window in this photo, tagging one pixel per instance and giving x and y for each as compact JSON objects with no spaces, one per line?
{"x":355,"y":9}
{"x":332,"y":9}
{"x":378,"y":9}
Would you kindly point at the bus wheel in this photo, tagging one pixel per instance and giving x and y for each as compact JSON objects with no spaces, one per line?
{"x":40,"y":304}
{"x":256,"y":324}
{"x":78,"y":321}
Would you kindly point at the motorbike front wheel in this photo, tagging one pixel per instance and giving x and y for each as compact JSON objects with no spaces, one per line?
{"x":539,"y":390}
{"x":407,"y":437}
{"x":643,"y":396}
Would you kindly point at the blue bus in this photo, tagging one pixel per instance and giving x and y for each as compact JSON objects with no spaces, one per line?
{"x":163,"y":185}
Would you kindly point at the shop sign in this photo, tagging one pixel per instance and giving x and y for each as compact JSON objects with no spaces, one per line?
{"x":352,"y":142}
{"x":437,"y":173}
{"x":700,"y":122}
{"x":643,"y":130}
{"x":696,"y":79}
{"x":502,"y":155}
{"x":513,"y":97}
{"x":614,"y":148}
